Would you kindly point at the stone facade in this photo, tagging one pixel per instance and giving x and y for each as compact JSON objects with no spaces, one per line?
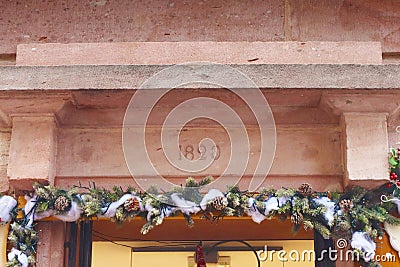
{"x":75,"y":65}
{"x":175,"y":21}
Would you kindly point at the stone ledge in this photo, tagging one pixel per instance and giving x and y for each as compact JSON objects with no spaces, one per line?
{"x":165,"y":53}
{"x":268,"y":76}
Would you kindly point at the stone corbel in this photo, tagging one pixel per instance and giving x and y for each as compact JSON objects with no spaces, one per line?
{"x":364,"y":135}
{"x":32,"y":150}
{"x":30,"y":103}
{"x":33,"y":144}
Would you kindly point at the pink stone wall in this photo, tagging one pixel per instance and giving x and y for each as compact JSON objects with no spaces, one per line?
{"x":120,"y":21}
{"x":86,"y":144}
{"x":5,"y":137}
{"x":74,"y":21}
{"x":339,"y":20}
{"x":164,"y":53}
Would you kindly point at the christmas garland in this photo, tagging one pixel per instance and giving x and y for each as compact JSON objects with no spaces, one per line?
{"x":356,"y":215}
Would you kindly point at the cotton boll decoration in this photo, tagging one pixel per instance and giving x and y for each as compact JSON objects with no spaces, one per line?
{"x":7,"y":204}
{"x":330,"y":208}
{"x":183,"y":205}
{"x":270,"y":205}
{"x":32,"y":216}
{"x":166,"y":212}
{"x":29,"y":209}
{"x":396,"y":201}
{"x":44,"y":214}
{"x":282,"y":201}
{"x":363,"y":242}
{"x":20,"y":256}
{"x":111,"y":210}
{"x":252,"y":211}
{"x":150,"y":210}
{"x":394,"y":236}
{"x":160,"y":213}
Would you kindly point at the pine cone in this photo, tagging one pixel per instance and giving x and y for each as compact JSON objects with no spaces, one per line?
{"x":346,"y":205}
{"x":219,"y":203}
{"x":305,"y":189}
{"x":132,"y":204}
{"x":297,"y":218}
{"x":62,"y":204}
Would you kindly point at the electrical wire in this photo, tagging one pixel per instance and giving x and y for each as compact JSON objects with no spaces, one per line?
{"x":133,"y":247}
{"x":104,"y":236}
{"x":111,"y":241}
{"x":242,"y":242}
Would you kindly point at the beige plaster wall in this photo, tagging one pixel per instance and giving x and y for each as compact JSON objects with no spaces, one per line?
{"x":121,"y":256}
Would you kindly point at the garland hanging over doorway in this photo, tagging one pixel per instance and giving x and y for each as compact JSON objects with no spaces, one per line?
{"x":356,"y":215}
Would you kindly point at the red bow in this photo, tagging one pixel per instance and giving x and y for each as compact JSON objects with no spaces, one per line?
{"x":200,"y":257}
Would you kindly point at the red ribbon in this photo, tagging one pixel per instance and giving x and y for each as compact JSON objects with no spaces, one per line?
{"x":200,"y":257}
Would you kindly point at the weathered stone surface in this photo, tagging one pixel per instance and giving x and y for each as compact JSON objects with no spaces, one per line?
{"x":385,"y":102}
{"x":365,"y":146}
{"x":321,"y":76}
{"x":5,"y":137}
{"x":32,"y":151}
{"x":165,"y":53}
{"x":50,"y":250}
{"x":7,"y":59}
{"x":46,"y":103}
{"x":346,"y":20}
{"x":158,"y":21}
{"x":98,"y":153}
{"x":120,"y":21}
{"x":73,"y":117}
